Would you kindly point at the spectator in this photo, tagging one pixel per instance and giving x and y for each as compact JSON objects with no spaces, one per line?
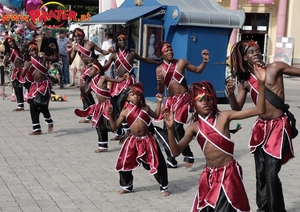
{"x":46,"y":41}
{"x":105,"y":46}
{"x":63,"y":54}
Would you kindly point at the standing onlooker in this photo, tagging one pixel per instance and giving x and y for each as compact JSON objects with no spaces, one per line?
{"x":46,"y":41}
{"x":63,"y":54}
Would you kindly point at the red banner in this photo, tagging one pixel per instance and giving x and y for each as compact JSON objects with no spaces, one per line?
{"x":261,"y":1}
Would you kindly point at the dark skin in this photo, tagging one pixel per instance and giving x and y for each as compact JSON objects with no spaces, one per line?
{"x":139,"y":128}
{"x":182,"y":64}
{"x":214,"y":156}
{"x":18,"y":63}
{"x":102,"y":83}
{"x":72,"y":51}
{"x":130,"y":58}
{"x":274,"y":81}
{"x":38,"y":76}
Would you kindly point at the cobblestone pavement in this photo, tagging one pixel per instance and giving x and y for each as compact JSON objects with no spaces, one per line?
{"x":59,"y":171}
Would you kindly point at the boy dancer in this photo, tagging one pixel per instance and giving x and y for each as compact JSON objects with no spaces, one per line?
{"x":85,"y":49}
{"x":40,"y":90}
{"x":140,"y":146}
{"x":171,"y":73}
{"x":99,"y":116}
{"x":272,"y":133}
{"x":123,"y":59}
{"x":15,"y":56}
{"x":220,"y":186}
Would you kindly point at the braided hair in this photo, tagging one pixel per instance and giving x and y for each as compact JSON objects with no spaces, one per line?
{"x":240,"y":67}
{"x":201,"y":87}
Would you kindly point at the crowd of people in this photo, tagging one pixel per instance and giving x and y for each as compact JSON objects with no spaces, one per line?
{"x":121,"y":109}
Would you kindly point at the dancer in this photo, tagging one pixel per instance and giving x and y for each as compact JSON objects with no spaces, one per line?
{"x":123,"y":59}
{"x":99,"y":116}
{"x":40,"y":90}
{"x":171,"y":73}
{"x":15,"y":55}
{"x":220,"y":186}
{"x":272,"y":133}
{"x":85,"y":49}
{"x":140,"y":146}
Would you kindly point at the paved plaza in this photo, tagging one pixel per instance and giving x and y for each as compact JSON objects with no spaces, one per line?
{"x":59,"y":171}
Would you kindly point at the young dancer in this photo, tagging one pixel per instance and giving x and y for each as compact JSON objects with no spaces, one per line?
{"x":140,"y":146}
{"x":220,"y":186}
{"x":40,"y":90}
{"x":99,"y":116}
{"x":123,"y":59}
{"x":16,"y":56}
{"x":171,"y":73}
{"x":272,"y":133}
{"x":86,"y":50}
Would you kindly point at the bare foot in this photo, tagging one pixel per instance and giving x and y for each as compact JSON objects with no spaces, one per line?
{"x":123,"y":192}
{"x":100,"y":150}
{"x":18,"y":109}
{"x":50,"y":127}
{"x":165,"y":193}
{"x":38,"y":132}
{"x":84,"y":121}
{"x":188,"y":165}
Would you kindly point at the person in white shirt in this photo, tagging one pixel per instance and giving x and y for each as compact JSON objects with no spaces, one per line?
{"x":105,"y":46}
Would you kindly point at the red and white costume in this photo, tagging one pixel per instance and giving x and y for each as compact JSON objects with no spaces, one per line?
{"x":138,"y":148}
{"x":269,"y":133}
{"x":179,"y":102}
{"x":96,"y":111}
{"x":117,"y":88}
{"x":212,"y":180}
{"x":38,"y":87}
{"x":17,"y":72}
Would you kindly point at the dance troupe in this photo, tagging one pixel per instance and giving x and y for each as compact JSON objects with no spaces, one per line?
{"x":121,"y":108}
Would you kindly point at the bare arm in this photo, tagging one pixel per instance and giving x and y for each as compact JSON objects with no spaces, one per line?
{"x":198,"y":69}
{"x":115,"y":125}
{"x":160,"y":80}
{"x":260,"y":73}
{"x":71,"y":53}
{"x":155,"y":114}
{"x":27,"y":64}
{"x":190,"y":132}
{"x":237,"y":102}
{"x":104,"y":52}
{"x":145,"y":60}
{"x":284,"y":68}
{"x":109,"y":61}
{"x":6,"y":58}
{"x":120,"y":79}
{"x":85,"y":92}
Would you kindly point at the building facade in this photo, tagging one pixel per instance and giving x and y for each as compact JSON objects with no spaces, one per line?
{"x":266,"y":23}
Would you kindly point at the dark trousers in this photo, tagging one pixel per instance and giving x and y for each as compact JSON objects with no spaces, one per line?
{"x":35,"y":110}
{"x":18,"y":87}
{"x":126,"y":178}
{"x":221,"y":206}
{"x":89,"y":99}
{"x":102,"y":132}
{"x":65,"y":70}
{"x":269,"y":195}
{"x":187,"y":152}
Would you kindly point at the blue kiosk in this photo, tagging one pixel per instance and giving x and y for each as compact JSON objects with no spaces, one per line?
{"x":188,"y":25}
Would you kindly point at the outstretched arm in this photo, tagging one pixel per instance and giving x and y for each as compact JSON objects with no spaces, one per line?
{"x":200,"y":68}
{"x":109,"y":61}
{"x":120,"y":79}
{"x":190,"y":132}
{"x":97,"y":48}
{"x":115,"y":125}
{"x":145,"y":60}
